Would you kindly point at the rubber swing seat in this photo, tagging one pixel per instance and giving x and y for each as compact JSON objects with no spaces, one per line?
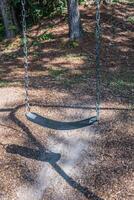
{"x":58,"y":125}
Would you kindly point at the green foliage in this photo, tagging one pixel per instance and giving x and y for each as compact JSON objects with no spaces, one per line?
{"x":36,"y":10}
{"x":73,"y":44}
{"x":15,"y":2}
{"x":42,"y":37}
{"x":46,"y":36}
{"x":82,"y":1}
{"x":62,"y":4}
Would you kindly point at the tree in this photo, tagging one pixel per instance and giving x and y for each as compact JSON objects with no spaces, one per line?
{"x":75,"y":28}
{"x":9,"y":19}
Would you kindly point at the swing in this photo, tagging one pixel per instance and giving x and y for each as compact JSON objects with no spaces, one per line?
{"x":49,"y":123}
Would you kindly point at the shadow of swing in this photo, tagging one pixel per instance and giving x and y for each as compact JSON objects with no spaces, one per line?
{"x":43,"y":154}
{"x":51,"y":158}
{"x":58,"y":125}
{"x":40,"y":155}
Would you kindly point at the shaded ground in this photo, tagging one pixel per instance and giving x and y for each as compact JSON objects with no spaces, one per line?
{"x":91,"y":163}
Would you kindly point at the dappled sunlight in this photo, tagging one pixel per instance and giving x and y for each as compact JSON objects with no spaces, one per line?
{"x":68,"y":61}
{"x":93,"y":162}
{"x":55,"y":54}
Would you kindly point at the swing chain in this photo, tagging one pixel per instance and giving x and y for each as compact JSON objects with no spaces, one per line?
{"x":26,"y":64}
{"x":25,"y":51}
{"x":98,"y":43}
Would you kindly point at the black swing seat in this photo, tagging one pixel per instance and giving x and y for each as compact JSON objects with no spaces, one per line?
{"x":58,"y":125}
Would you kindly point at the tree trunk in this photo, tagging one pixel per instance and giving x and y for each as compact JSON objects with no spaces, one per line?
{"x":7,"y":18}
{"x":75,"y":28}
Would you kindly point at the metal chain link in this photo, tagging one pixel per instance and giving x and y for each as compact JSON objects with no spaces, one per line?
{"x":26,"y":64}
{"x":98,"y":37}
{"x":25,"y":51}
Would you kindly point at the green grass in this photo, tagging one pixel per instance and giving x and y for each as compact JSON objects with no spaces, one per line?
{"x":77,"y":78}
{"x":56,"y":73}
{"x":45,"y":36}
{"x":36,"y":43}
{"x":4,"y":83}
{"x":131,"y":19}
{"x":67,"y":78}
{"x":7,"y":83}
{"x":68,"y":82}
{"x":50,"y":26}
{"x":73,"y":44}
{"x":121,"y":83}
{"x":36,"y":54}
{"x":42,"y":37}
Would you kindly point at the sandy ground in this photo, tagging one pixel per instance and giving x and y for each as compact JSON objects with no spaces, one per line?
{"x":94,"y":162}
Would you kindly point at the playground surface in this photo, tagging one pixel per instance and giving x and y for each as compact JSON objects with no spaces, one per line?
{"x":94,"y":162}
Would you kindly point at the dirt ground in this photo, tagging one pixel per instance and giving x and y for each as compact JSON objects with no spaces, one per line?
{"x":94,"y":162}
